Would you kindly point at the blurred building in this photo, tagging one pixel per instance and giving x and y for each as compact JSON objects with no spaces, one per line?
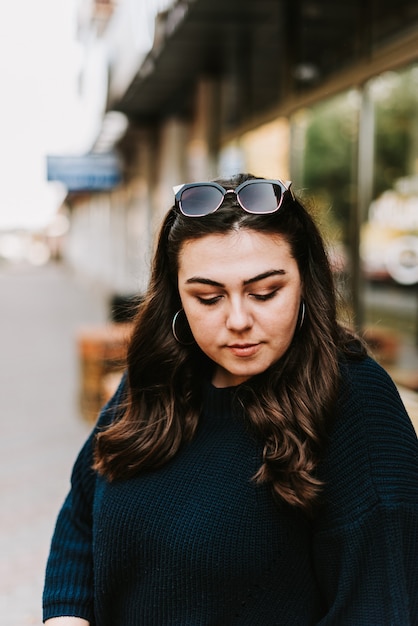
{"x":323,"y":93}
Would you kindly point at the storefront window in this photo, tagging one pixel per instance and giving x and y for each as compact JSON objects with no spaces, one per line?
{"x":389,"y":237}
{"x":365,"y":145}
{"x":323,"y":165}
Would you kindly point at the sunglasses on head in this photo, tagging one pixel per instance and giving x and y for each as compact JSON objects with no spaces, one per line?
{"x":256,"y":196}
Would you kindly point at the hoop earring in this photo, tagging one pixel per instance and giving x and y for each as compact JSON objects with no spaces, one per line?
{"x":175,"y":334}
{"x":302,"y":312}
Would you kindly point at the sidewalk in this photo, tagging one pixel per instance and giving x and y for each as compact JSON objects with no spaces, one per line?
{"x":41,"y":428}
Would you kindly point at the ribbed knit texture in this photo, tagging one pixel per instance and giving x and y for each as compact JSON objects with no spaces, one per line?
{"x":197,"y":543}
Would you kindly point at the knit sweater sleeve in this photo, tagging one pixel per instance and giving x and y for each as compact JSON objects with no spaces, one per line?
{"x":366,"y":536}
{"x":68,"y":589}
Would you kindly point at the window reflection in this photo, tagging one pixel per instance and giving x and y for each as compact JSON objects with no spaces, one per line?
{"x":389,"y":238}
{"x":325,"y":161}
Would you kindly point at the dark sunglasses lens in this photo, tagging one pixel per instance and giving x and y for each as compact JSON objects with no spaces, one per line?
{"x":261,"y":197}
{"x":199,"y":201}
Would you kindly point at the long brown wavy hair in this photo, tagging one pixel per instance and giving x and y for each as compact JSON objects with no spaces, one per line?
{"x":289,"y":407}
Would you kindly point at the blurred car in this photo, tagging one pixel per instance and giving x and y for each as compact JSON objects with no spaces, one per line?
{"x":389,"y":239}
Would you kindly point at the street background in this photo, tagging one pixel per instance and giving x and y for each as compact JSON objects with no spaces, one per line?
{"x":41,"y":311}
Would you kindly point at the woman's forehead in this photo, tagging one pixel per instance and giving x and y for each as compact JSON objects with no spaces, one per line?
{"x":243,"y":252}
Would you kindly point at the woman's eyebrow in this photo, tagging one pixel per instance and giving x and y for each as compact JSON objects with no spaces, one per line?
{"x":213,"y":283}
{"x":203,"y":281}
{"x":264,"y":275}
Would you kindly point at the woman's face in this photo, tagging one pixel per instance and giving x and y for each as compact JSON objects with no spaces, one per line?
{"x":241,"y":293}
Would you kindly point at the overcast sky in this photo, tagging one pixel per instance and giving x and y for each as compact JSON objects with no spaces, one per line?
{"x":38,"y":111}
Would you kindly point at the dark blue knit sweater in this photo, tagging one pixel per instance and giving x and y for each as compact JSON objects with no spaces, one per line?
{"x":198,"y":543}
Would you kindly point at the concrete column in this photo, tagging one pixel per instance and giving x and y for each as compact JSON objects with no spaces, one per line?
{"x":201,"y":148}
{"x":171,"y":166}
{"x":364,"y":198}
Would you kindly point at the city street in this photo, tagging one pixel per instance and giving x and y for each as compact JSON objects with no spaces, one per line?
{"x":41,"y":428}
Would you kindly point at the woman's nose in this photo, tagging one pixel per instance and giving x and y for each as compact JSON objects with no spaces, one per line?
{"x":239,"y":317}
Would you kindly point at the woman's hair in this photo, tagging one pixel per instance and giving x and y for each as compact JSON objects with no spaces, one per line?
{"x":289,"y":407}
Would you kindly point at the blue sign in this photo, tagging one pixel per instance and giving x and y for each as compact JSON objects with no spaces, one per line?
{"x":90,"y":172}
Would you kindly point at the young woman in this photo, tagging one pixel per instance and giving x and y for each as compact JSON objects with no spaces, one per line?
{"x":255,"y":466}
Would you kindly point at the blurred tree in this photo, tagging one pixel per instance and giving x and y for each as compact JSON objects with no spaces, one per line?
{"x":395,"y":96}
{"x":329,"y":160}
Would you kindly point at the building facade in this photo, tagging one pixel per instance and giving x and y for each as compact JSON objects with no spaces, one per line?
{"x":319,"y":92}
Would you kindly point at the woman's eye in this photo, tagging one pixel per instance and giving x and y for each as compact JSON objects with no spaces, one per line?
{"x":265,"y":296}
{"x":209,"y":301}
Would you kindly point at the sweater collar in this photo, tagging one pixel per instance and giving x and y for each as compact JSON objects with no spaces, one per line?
{"x":219,"y":402}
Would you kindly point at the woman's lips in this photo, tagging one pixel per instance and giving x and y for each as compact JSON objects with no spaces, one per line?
{"x":243,"y":349}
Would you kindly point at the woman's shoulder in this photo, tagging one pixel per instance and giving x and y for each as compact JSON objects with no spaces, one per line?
{"x":366,"y":382}
{"x":372,"y":455}
{"x":358,"y":365}
{"x":370,"y":409}
{"x":113,"y":408}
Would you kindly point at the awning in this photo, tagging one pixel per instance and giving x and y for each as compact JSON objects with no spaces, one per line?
{"x":209,"y":38}
{"x":264,"y":50}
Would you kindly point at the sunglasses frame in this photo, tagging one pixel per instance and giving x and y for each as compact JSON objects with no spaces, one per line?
{"x":179,"y":189}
